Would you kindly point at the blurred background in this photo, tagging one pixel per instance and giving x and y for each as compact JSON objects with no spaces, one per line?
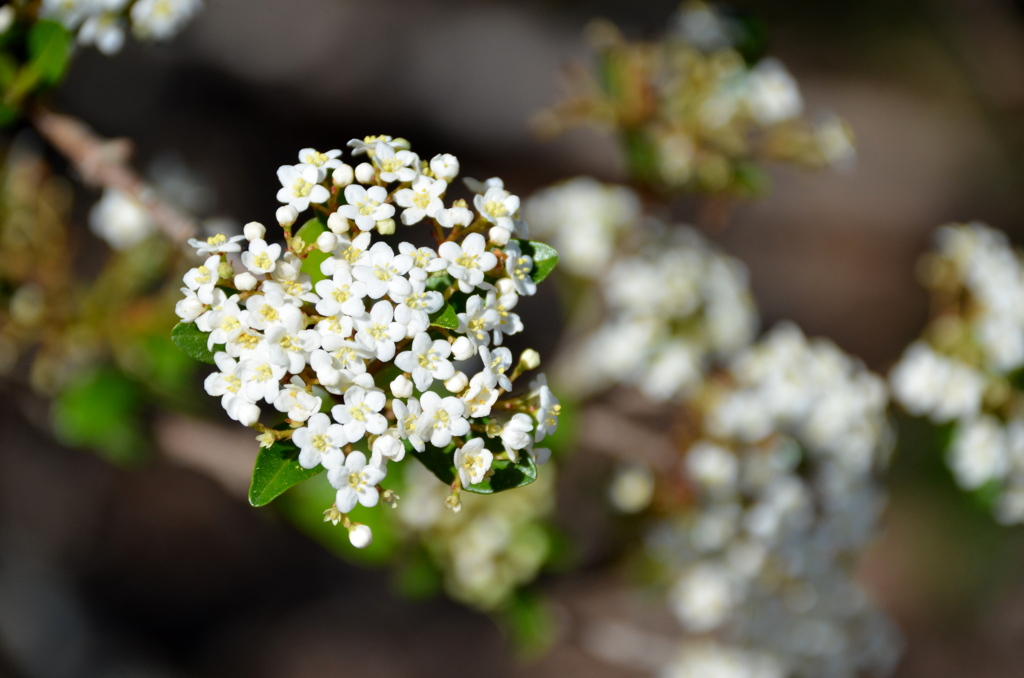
{"x":166,"y":571}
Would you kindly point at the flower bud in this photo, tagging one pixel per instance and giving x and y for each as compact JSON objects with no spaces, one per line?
{"x":245,"y":281}
{"x":529,"y":359}
{"x":463,"y":349}
{"x":499,"y":235}
{"x":254,"y":230}
{"x":360,"y":535}
{"x":457,"y":383}
{"x":452,"y":503}
{"x":365,"y":173}
{"x":326,"y":242}
{"x":401,"y":387}
{"x":225,"y":271}
{"x":343,"y":176}
{"x":286,"y":215}
{"x":386,"y":226}
{"x":337,"y":223}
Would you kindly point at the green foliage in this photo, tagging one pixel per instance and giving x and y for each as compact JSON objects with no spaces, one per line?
{"x":507,"y":475}
{"x":277,"y":469}
{"x":529,"y":621}
{"x":545,"y":258}
{"x":49,"y":48}
{"x":447,"y":318}
{"x":193,"y":341}
{"x":309,"y":232}
{"x":101,"y":410}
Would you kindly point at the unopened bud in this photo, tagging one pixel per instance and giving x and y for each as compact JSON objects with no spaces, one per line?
{"x":499,"y":235}
{"x":365,"y":173}
{"x":463,"y":349}
{"x":245,"y":281}
{"x":529,"y":359}
{"x":343,"y":176}
{"x":326,"y":242}
{"x":400,"y":144}
{"x":225,"y":271}
{"x":360,"y":535}
{"x":457,"y":383}
{"x":386,"y":226}
{"x":254,"y":230}
{"x":401,"y":387}
{"x":337,"y":223}
{"x":286,"y":215}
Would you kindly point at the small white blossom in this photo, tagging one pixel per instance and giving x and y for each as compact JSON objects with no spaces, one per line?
{"x":468,"y":262}
{"x":422,"y":199}
{"x":441,"y":419}
{"x":515,"y":434}
{"x":473,"y":460}
{"x":379,"y":330}
{"x":356,"y":482}
{"x":366,"y":206}
{"x":320,"y":442}
{"x":426,"y":360}
{"x":298,"y":403}
{"x":217,"y":244}
{"x":300,"y":186}
{"x":381,"y":272}
{"x":395,"y":165}
{"x":261,"y":258}
{"x":360,"y":412}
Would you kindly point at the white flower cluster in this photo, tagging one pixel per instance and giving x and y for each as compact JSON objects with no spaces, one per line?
{"x":966,"y":369}
{"x":786,"y":498}
{"x":303,"y":338}
{"x":672,"y":309}
{"x":490,"y":548}
{"x":103,"y":22}
{"x":583,"y":219}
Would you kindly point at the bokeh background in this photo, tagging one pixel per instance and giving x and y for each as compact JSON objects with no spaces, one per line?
{"x":166,"y":571}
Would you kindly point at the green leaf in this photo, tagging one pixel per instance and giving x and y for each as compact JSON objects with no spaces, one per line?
{"x":277,"y":468}
{"x":507,"y":475}
{"x":446,"y":318}
{"x":545,"y":258}
{"x":101,"y":410}
{"x":193,"y":341}
{"x":49,"y":46}
{"x":309,"y":232}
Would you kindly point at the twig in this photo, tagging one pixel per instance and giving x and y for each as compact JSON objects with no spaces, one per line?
{"x":103,"y":163}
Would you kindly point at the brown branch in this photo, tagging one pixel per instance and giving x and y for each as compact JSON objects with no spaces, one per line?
{"x":103,"y":163}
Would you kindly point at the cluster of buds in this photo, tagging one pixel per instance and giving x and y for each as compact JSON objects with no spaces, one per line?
{"x":103,"y":23}
{"x":776,"y":497}
{"x":365,"y":349}
{"x":698,"y":109}
{"x":964,"y":372}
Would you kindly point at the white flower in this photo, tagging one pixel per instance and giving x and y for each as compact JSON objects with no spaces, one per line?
{"x":481,"y":187}
{"x":400,"y":166}
{"x":406,"y":416}
{"x":473,"y":460}
{"x":508,"y":322}
{"x":203,"y":279}
{"x":161,"y":19}
{"x":105,"y":30}
{"x":388,"y":446}
{"x":515,"y":434}
{"x":347,"y":253}
{"x":496,"y":362}
{"x":366,"y":206}
{"x":422,"y":199}
{"x":457,"y":215}
{"x":468,"y":262}
{"x":322,"y":161}
{"x":300,"y":186}
{"x":366,"y":144}
{"x":548,"y":410}
{"x":441,"y":419}
{"x":423,"y":259}
{"x":445,"y":166}
{"x":401,"y":387}
{"x":228,"y":384}
{"x":261,"y":258}
{"x":703,"y":598}
{"x":190,"y":307}
{"x":381,"y":272}
{"x":338,"y":357}
{"x":978,"y":453}
{"x":225,"y":322}
{"x":291,"y":343}
{"x":361,"y":412}
{"x":267,"y":310}
{"x":341,"y":325}
{"x":217,"y":244}
{"x":243,"y":344}
{"x":481,"y":396}
{"x":519,"y":266}
{"x":262,"y":374}
{"x":498,"y":206}
{"x":414,"y":309}
{"x":298,"y":403}
{"x":477,"y":322}
{"x":120,"y":220}
{"x":379,"y":331}
{"x":320,"y":442}
{"x":356,"y":482}
{"x":427,"y":360}
{"x":773,"y":95}
{"x":341,"y":295}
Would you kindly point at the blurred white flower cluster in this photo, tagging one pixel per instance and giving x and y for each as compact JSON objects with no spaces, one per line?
{"x":673,"y":308}
{"x":584,"y":220}
{"x":489,"y":549}
{"x":782,"y":475}
{"x":104,"y":23}
{"x":700,"y":108}
{"x":360,"y":345}
{"x":966,"y":369}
